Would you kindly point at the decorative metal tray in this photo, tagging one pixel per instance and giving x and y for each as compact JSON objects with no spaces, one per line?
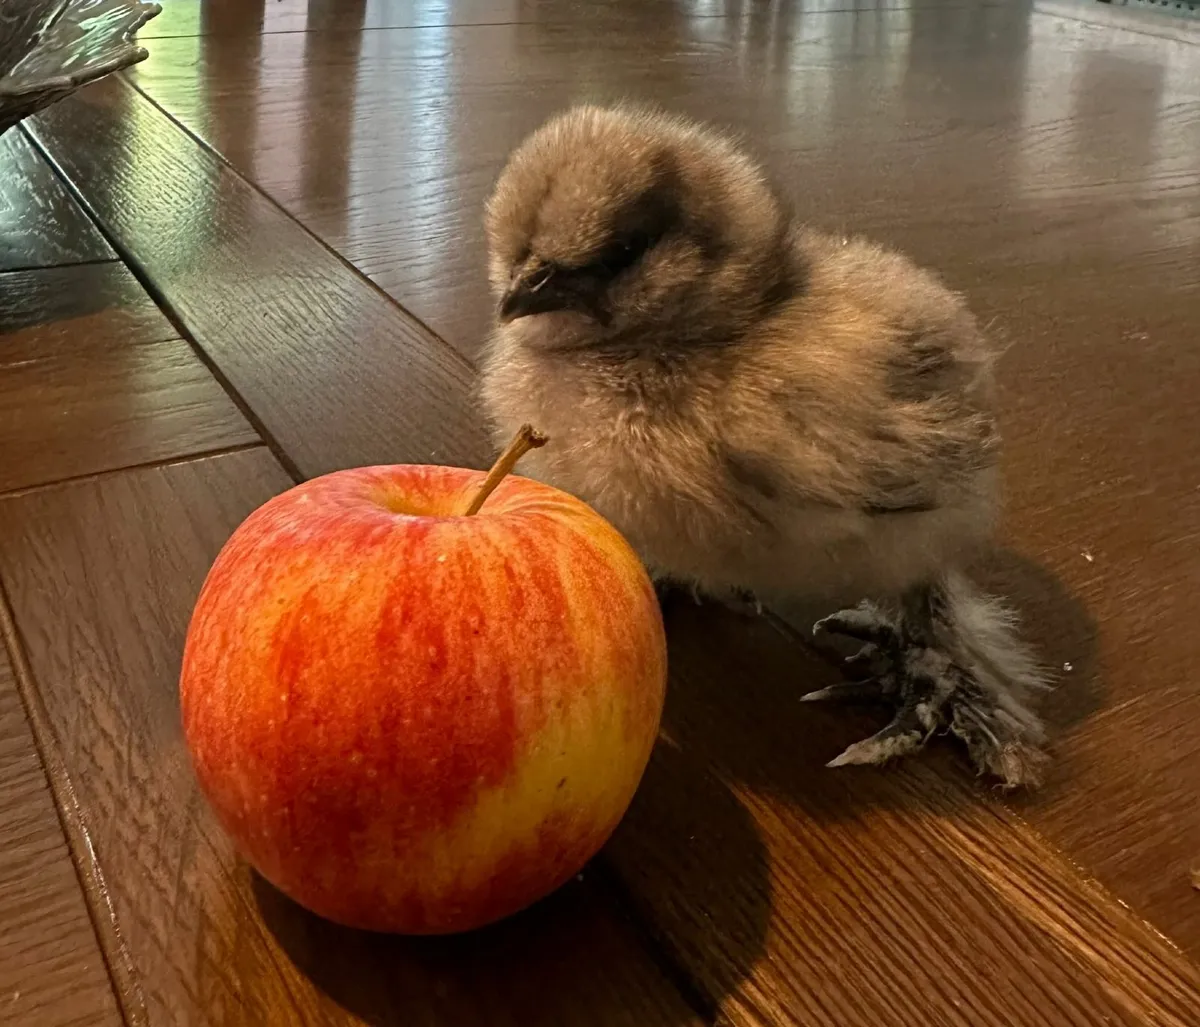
{"x":49,"y":48}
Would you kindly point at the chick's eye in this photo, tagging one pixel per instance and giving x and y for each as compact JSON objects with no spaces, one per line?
{"x":623,"y":253}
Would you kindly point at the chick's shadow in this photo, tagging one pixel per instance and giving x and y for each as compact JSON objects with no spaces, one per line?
{"x":751,"y":723}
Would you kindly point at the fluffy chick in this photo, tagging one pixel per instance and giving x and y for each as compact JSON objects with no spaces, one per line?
{"x":761,"y":409}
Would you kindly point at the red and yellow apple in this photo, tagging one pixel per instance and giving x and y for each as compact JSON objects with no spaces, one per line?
{"x":414,"y":720}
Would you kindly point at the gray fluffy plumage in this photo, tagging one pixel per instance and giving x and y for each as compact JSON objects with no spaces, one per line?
{"x":761,"y":408}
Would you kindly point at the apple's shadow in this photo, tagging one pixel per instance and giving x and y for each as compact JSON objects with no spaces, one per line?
{"x":672,"y":917}
{"x":592,"y":953}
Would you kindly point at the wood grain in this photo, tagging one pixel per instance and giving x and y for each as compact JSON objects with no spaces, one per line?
{"x":51,"y":970}
{"x":976,"y":138}
{"x":1103,"y":483}
{"x":1151,"y":17}
{"x":55,"y":312}
{"x":89,"y":383}
{"x":40,"y":224}
{"x":224,"y":18}
{"x":102,"y":575}
{"x":979,"y":139}
{"x":334,"y":371}
{"x":905,"y":898}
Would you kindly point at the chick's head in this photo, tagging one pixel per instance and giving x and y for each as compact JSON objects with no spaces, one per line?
{"x":622,"y":225}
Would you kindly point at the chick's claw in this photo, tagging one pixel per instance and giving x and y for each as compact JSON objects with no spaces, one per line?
{"x":865,"y":622}
{"x":867,"y":655}
{"x":922,"y":684}
{"x":871,"y":690}
{"x":933,"y":694}
{"x":904,"y":735}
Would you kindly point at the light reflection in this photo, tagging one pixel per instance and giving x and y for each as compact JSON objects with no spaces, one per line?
{"x":706,"y":8}
{"x":411,"y":138}
{"x":148,"y":133}
{"x":226,"y":59}
{"x":1113,"y":111}
{"x":1090,"y":112}
{"x":1175,"y":143}
{"x":277,"y":152}
{"x":403,"y":154}
{"x":185,"y":21}
{"x":277,"y":17}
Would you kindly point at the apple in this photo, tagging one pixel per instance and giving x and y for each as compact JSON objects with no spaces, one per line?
{"x":415,"y":711}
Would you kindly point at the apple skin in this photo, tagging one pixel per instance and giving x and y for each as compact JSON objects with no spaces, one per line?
{"x":417,"y":722}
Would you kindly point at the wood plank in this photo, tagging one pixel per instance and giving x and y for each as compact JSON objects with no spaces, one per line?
{"x":265,"y":300}
{"x":52,"y":973}
{"x":226,"y":18}
{"x":102,"y":575}
{"x":837,"y":896}
{"x":906,"y":898}
{"x":809,"y":893}
{"x":980,"y":141}
{"x":1162,"y":19}
{"x":1116,"y":515}
{"x":60,"y":311}
{"x":1019,"y":166}
{"x":40,"y":224}
{"x":88,"y":383}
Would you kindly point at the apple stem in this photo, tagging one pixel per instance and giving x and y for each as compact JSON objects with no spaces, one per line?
{"x":527,"y":438}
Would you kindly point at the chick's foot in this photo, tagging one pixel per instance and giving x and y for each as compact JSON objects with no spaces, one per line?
{"x":931,"y":691}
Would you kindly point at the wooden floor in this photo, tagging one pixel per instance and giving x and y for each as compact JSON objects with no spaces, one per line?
{"x":258,"y":257}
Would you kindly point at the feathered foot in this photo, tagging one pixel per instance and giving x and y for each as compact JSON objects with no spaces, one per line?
{"x":949,"y":659}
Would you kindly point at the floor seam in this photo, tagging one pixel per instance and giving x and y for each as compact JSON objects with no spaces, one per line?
{"x":131,"y":1003}
{"x":145,"y":465}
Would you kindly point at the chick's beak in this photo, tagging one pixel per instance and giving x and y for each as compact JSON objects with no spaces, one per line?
{"x":534,"y":291}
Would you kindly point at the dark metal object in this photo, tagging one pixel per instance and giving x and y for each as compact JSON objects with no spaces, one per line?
{"x":1179,"y":8}
{"x":49,"y":48}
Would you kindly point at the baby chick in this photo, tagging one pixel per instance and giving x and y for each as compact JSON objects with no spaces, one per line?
{"x":761,"y":409}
